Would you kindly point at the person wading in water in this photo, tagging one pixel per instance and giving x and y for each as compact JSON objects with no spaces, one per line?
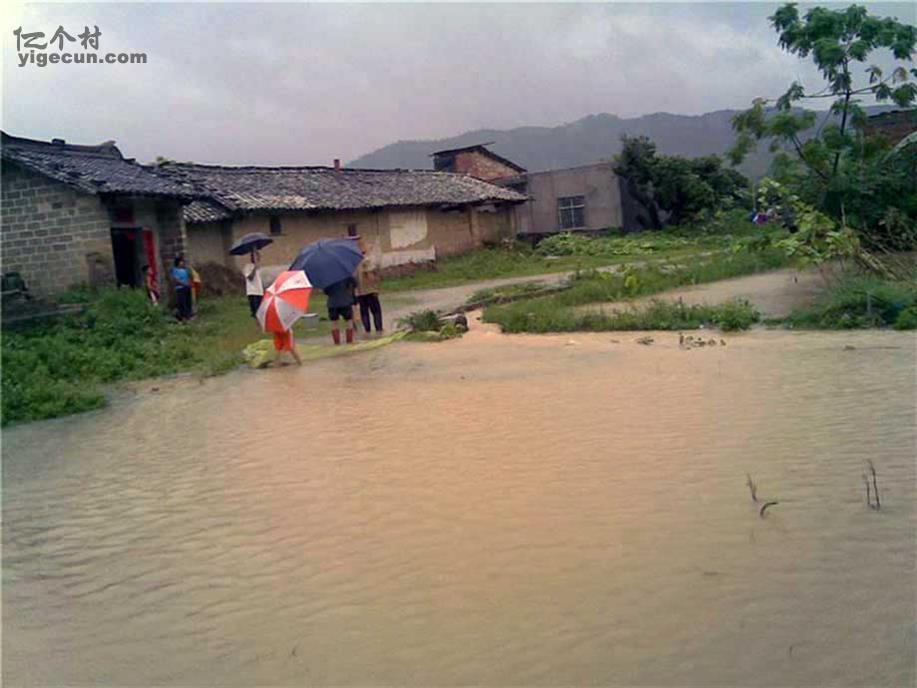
{"x":340,"y":305}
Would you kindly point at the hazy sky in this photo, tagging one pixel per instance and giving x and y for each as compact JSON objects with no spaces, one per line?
{"x":305,"y":83}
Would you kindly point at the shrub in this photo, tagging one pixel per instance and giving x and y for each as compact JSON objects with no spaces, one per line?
{"x":422,"y":321}
{"x":861,"y":301}
{"x":907,"y":319}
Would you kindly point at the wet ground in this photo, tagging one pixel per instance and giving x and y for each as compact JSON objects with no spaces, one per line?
{"x":495,"y":510}
{"x":775,"y":294}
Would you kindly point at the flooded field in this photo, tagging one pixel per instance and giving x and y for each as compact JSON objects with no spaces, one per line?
{"x":490,"y":511}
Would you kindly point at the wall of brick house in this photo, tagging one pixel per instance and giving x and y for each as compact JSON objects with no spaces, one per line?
{"x":49,"y":230}
{"x":209,"y":242}
{"x":450,"y":232}
{"x":164,"y":218}
{"x":481,"y":166}
{"x":495,"y":226}
{"x":439,"y":233}
{"x":892,"y":126}
{"x":58,"y":237}
{"x":171,"y":234}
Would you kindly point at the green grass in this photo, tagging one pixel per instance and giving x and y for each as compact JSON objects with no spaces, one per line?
{"x":510,"y":292}
{"x":666,"y":315}
{"x":422,"y":321}
{"x":565,"y":253}
{"x":561,"y":312}
{"x":861,"y":301}
{"x":62,"y":367}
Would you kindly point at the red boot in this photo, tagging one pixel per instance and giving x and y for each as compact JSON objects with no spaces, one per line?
{"x":350,"y":335}
{"x":336,"y":336}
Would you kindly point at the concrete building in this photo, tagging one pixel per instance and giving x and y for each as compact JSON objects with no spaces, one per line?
{"x":589,"y":198}
{"x":76,"y":214}
{"x":405,"y":216}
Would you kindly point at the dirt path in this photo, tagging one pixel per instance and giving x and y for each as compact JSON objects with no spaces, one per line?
{"x":404,"y":303}
{"x":775,"y":294}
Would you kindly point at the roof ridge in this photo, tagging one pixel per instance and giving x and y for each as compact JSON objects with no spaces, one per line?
{"x":278,"y":168}
{"x":106,"y":149}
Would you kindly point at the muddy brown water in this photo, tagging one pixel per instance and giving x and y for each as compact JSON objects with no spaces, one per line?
{"x":490,"y":511}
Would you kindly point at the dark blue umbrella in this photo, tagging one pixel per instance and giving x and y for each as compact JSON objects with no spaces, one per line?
{"x":328,"y":261}
{"x":250,"y":242}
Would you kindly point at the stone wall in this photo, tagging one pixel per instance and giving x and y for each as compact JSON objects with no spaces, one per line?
{"x":57,"y":237}
{"x":50,"y":232}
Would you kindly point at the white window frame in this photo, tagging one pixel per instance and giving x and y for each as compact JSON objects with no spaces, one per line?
{"x":567,"y":207}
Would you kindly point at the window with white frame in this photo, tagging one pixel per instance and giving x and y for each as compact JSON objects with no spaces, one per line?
{"x":571,"y":212}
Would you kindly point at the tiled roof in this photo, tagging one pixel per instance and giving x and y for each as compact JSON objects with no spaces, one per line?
{"x":92,"y":169}
{"x":205,"y":211}
{"x":235,"y":189}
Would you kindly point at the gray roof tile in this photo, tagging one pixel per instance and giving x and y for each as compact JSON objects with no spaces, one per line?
{"x":238,"y":189}
{"x":92,"y":169}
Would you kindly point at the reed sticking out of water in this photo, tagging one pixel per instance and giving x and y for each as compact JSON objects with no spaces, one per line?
{"x":875,"y":486}
{"x":868,"y":491}
{"x":752,"y":488}
{"x":764,"y":508}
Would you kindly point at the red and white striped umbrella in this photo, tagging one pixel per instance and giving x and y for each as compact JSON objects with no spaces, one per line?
{"x":285,"y":301}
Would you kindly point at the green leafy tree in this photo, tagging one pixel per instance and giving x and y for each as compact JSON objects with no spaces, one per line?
{"x":682,"y":188}
{"x":839,"y":42}
{"x":635,"y":164}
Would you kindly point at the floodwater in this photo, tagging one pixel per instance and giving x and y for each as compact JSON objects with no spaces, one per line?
{"x":490,"y":511}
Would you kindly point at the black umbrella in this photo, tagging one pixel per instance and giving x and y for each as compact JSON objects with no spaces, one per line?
{"x":249,"y":243}
{"x":328,"y":261}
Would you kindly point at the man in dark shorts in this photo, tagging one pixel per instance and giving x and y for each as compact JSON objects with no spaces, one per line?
{"x":340,"y":305}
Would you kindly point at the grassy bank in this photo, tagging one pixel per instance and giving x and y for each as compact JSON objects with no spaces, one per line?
{"x":562,"y":313}
{"x":563,"y":253}
{"x":59,"y":368}
{"x":860,"y":301}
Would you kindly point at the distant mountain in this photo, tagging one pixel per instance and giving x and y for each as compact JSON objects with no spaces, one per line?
{"x":591,"y":139}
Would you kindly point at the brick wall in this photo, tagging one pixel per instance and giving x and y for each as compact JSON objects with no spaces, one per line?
{"x":481,"y":166}
{"x":892,"y":126}
{"x":49,"y":230}
{"x":451,"y":232}
{"x":172,"y":234}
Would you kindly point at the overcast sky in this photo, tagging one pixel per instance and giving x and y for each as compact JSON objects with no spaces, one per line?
{"x":303,"y":84}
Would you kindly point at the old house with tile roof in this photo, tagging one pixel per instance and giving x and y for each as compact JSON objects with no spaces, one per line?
{"x":405,"y":216}
{"x":76,"y":214}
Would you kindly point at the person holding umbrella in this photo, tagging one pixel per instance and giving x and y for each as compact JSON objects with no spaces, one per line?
{"x":330,"y":265}
{"x":285,"y":302}
{"x":251,"y":245}
{"x":254,"y":287}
